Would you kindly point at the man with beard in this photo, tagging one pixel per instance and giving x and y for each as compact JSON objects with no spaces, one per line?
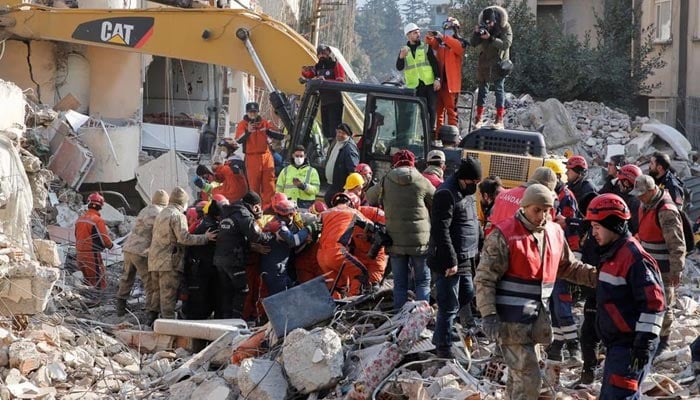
{"x":660,"y":169}
{"x":489,"y":188}
{"x":327,"y":68}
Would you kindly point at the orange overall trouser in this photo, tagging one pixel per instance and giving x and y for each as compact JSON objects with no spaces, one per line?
{"x":446,"y":102}
{"x":260,"y":170}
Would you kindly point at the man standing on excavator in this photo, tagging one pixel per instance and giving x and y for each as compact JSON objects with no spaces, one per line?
{"x":327,"y":68}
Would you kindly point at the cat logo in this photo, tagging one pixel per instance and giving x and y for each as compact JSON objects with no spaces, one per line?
{"x":121,"y":31}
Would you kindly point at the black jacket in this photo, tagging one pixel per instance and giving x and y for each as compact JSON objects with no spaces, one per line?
{"x":454,"y":230}
{"x":237,"y":229}
{"x":582,"y":189}
{"x":348,"y":158}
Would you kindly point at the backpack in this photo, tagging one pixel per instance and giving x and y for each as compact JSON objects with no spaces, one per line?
{"x":688,"y":233}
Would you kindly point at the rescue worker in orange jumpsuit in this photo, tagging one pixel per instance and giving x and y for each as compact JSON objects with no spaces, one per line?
{"x":345,"y":274}
{"x":253,"y":132}
{"x":363,"y":243}
{"x":90,"y":239}
{"x":229,"y":173}
{"x":450,"y":52}
{"x":305,"y":262}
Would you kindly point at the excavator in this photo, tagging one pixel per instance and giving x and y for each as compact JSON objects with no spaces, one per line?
{"x":385,"y":117}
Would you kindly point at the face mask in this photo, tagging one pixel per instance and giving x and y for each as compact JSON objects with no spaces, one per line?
{"x":469,"y":189}
{"x":223,"y":154}
{"x":298,"y":161}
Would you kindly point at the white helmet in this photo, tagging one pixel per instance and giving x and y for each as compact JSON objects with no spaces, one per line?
{"x":409,"y":28}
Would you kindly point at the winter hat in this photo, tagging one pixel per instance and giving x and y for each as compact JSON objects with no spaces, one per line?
{"x":470,"y":169}
{"x":179,"y":197}
{"x":403,"y":158}
{"x":160,"y":198}
{"x":252,"y":198}
{"x":544,"y":176}
{"x":538,"y":194}
{"x":615,"y":224}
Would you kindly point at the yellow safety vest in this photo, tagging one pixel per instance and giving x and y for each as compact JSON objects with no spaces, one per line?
{"x":418,"y":68}
{"x":306,"y":174}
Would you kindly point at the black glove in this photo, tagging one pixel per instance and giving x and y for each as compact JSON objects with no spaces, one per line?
{"x":313,"y":228}
{"x":641,"y":351}
{"x":490,"y":324}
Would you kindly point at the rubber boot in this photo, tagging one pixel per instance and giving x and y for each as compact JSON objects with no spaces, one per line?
{"x":152,"y":317}
{"x":663,"y":346}
{"x":554,"y":351}
{"x":574,"y":358}
{"x":478,"y":123}
{"x":121,"y":307}
{"x":500,"y":113}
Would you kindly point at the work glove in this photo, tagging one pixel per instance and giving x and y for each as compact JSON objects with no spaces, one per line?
{"x":199,"y":182}
{"x":490,"y":324}
{"x":641,"y":351}
{"x":313,"y":228}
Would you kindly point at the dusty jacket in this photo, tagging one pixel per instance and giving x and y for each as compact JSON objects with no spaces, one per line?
{"x":170,"y":236}
{"x":139,"y":240}
{"x":494,"y":49}
{"x":495,"y":262}
{"x":671,"y":227}
{"x":407,"y":197}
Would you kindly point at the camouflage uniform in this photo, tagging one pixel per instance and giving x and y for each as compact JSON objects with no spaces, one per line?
{"x":136,"y":256}
{"x":166,"y":255}
{"x":517,"y":340}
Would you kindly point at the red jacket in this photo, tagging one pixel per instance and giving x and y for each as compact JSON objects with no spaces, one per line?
{"x":91,"y":233}
{"x":256,"y":143}
{"x":233,"y":186}
{"x":449,"y":55}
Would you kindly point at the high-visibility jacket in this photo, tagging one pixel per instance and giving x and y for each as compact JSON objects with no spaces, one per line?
{"x":630,"y":295}
{"x":305,"y":173}
{"x":530,"y":277}
{"x":506,"y":204}
{"x":418,"y":68}
{"x":91,"y":233}
{"x":650,"y":234}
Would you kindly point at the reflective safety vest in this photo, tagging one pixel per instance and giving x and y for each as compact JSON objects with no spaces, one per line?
{"x":651,"y":236}
{"x":418,"y":68}
{"x":306,"y":174}
{"x":530,"y":277}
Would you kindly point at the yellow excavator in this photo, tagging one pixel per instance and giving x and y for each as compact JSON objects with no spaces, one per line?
{"x":385,"y":117}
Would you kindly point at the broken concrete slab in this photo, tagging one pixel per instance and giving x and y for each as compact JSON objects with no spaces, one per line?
{"x":167,"y":137}
{"x":165,"y":172}
{"x":208,"y":329}
{"x":11,"y":106}
{"x":182,"y":390}
{"x":313,"y":360}
{"x":25,"y":357}
{"x":261,"y":379}
{"x":56,"y":133}
{"x":638,"y":146}
{"x":559,"y":130}
{"x":681,"y":146}
{"x":144,"y":340}
{"x":47,"y":252}
{"x":115,"y":149}
{"x":71,"y":162}
{"x":214,"y":389}
{"x":28,"y":290}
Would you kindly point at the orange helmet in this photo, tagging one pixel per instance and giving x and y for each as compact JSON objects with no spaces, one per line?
{"x":606,"y":205}
{"x":350,"y":198}
{"x":575,"y":162}
{"x":629,"y":173}
{"x":284,"y":207}
{"x":96,"y":198}
{"x":191,"y":214}
{"x":318,"y":207}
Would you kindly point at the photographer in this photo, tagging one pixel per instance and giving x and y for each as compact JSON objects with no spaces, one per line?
{"x":327,"y":68}
{"x":494,"y":37}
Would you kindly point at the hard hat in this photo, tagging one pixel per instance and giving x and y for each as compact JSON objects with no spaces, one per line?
{"x":277,"y":198}
{"x":96,"y":198}
{"x":353,"y":180}
{"x":350,"y":198}
{"x":555,"y":165}
{"x":449,"y":134}
{"x":318,"y":207}
{"x":363,"y":169}
{"x":284,"y":207}
{"x":191,"y":214}
{"x":200,"y":205}
{"x":221,"y":199}
{"x":575,"y":162}
{"x":605,"y":205}
{"x":629,"y":173}
{"x":410,"y":27}
{"x":252,"y":107}
{"x":450,"y":23}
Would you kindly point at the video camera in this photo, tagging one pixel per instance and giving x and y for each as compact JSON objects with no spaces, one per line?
{"x":380,"y":237}
{"x":483,"y":29}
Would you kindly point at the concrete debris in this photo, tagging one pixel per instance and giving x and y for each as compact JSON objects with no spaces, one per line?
{"x":47,"y":252}
{"x":325,"y":366}
{"x":261,"y":379}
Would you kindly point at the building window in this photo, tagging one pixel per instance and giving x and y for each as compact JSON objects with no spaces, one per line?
{"x":662,"y":110}
{"x":692,"y":115}
{"x":664,"y":12}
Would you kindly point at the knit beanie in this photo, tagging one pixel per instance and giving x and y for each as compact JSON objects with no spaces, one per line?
{"x":252,"y":198}
{"x":179,"y":197}
{"x":615,"y":224}
{"x":470,"y":169}
{"x":160,"y":198}
{"x":544,"y":176}
{"x":537,"y":194}
{"x":403,"y":158}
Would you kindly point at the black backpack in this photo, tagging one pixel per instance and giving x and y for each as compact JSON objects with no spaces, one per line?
{"x":688,"y":233}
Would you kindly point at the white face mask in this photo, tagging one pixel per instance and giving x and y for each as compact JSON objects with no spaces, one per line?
{"x":223,"y":154}
{"x":298,"y":161}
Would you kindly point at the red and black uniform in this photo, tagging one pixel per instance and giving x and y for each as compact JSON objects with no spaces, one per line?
{"x":331,"y":102}
{"x":259,"y":163}
{"x":90,"y":239}
{"x":650,"y":234}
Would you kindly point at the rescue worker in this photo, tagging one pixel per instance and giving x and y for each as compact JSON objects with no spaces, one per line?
{"x":253,"y":132}
{"x":521,"y":259}
{"x":507,"y":202}
{"x":661,"y":235}
{"x":229,"y":172}
{"x":489,"y":189}
{"x":91,"y":238}
{"x":630,"y":299}
{"x":343,"y":157}
{"x":407,"y":198}
{"x":345,"y":274}
{"x":205,"y":180}
{"x":237,"y":230}
{"x":493,"y":37}
{"x":435,"y":170}
{"x":166,"y":255}
{"x":136,"y":254}
{"x":299,"y":181}
{"x":449,"y":51}
{"x":368,"y":176}
{"x":305,"y":261}
{"x":327,"y":68}
{"x":450,"y":138}
{"x":625,"y":183}
{"x":613,"y":166}
{"x":660,"y":169}
{"x":576,"y":181}
{"x":420,"y":69}
{"x":354,"y":183}
{"x":454,"y":244}
{"x":362,"y":242}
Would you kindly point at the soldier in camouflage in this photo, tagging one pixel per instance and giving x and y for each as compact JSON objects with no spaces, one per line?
{"x":521,"y":259}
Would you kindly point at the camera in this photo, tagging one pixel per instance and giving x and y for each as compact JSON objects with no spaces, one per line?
{"x":483,"y":29}
{"x":380,"y":237}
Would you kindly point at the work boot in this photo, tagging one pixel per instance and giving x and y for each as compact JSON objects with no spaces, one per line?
{"x":587,"y":376}
{"x":554,"y":351}
{"x":574,"y":358}
{"x":152,"y":317}
{"x":500,"y":113}
{"x":121,"y":307}
{"x":662,"y":347}
{"x":478,"y":123}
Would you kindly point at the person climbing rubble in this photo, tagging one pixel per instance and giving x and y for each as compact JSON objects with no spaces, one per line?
{"x":136,"y":254}
{"x":91,"y":238}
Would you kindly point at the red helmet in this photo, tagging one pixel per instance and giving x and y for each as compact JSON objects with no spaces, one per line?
{"x":318,"y":207}
{"x":363,"y":169}
{"x":576,"y":162}
{"x":605,"y":205}
{"x":221,"y":199}
{"x":191,"y":214}
{"x":200,"y":205}
{"x":350,"y":198}
{"x":284,"y":207}
{"x":96,"y":198}
{"x":629,"y":173}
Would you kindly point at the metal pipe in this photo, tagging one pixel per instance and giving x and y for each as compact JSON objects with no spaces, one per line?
{"x":244,"y":36}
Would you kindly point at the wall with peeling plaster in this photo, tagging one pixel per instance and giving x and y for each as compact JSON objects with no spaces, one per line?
{"x":74,"y":77}
{"x":14,"y":67}
{"x":126,"y":141}
{"x":115,"y":83}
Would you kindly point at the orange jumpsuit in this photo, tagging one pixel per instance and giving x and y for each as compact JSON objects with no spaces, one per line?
{"x":449,"y":56}
{"x":306,"y":263}
{"x":362,"y":242}
{"x":259,"y":163}
{"x":233,"y":186}
{"x":90,"y":239}
{"x":333,"y":255}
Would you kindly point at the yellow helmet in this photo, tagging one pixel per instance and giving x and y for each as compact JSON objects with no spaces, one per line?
{"x":556,"y":166}
{"x":353,"y":180}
